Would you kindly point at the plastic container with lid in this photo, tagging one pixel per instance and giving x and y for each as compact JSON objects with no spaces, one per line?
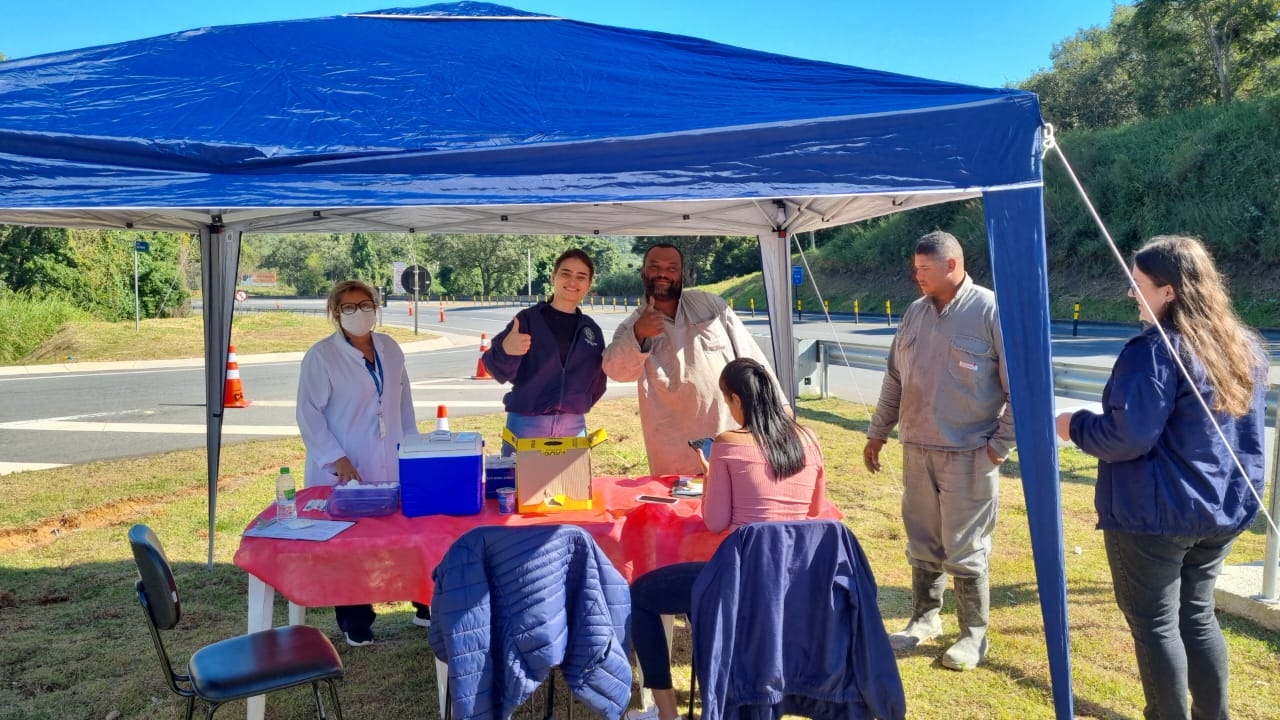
{"x":355,"y":499}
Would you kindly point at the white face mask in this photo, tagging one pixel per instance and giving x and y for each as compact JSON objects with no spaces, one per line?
{"x":359,"y":322}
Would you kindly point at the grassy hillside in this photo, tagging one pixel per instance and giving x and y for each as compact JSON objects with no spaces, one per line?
{"x":1211,"y":172}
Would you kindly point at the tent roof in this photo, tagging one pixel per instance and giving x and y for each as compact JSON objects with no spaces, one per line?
{"x":478,"y":118}
{"x":472,"y":117}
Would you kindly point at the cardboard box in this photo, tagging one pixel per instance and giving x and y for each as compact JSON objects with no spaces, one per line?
{"x":442,"y":473}
{"x":554,"y":474}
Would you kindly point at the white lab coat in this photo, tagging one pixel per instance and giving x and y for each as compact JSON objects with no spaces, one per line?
{"x":338,"y":410}
{"x":678,"y":378}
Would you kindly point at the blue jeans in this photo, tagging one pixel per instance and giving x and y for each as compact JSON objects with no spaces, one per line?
{"x":1164,"y":586}
{"x":668,"y":590}
{"x":544,"y":426}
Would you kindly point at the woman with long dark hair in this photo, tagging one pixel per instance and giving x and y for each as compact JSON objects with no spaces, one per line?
{"x":1179,"y":444}
{"x":769,"y":469}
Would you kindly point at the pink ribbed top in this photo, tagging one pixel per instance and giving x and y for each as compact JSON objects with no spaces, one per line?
{"x":741,"y":488}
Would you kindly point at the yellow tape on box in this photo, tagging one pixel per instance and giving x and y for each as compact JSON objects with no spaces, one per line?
{"x":553,"y":474}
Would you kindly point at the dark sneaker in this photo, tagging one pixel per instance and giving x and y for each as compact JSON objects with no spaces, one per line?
{"x":359,"y":638}
{"x":422,"y":618}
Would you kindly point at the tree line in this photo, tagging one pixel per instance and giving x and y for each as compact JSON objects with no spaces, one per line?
{"x":1158,"y":57}
{"x":1169,"y":114}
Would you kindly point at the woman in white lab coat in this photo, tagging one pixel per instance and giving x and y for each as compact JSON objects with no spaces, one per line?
{"x":354,"y":407}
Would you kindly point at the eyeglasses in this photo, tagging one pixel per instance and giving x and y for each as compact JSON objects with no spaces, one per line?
{"x":351,"y":308}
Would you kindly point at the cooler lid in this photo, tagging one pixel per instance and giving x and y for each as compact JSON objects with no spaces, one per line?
{"x":440,"y":444}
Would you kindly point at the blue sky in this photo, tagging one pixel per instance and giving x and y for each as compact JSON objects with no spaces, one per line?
{"x":980,"y":42}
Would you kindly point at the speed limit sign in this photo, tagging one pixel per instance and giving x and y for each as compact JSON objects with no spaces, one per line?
{"x":241,"y":296}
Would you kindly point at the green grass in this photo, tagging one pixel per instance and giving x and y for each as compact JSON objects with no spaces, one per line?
{"x":162,"y":339}
{"x":25,"y":322}
{"x":74,"y":636}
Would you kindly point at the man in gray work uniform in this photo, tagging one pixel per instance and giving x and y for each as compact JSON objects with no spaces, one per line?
{"x":947,"y":390}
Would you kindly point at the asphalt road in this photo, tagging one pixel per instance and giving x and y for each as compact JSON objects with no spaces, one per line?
{"x":76,"y":413}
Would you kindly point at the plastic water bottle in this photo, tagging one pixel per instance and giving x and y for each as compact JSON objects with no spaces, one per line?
{"x":286,"y":497}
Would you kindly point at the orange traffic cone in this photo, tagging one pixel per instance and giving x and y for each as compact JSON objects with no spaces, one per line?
{"x":234,"y":396}
{"x":410,"y":311}
{"x":482,"y":372}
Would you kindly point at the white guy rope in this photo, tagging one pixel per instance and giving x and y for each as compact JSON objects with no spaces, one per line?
{"x":1050,"y":143}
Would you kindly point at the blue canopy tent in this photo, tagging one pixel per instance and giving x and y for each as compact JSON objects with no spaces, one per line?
{"x":476,"y":118}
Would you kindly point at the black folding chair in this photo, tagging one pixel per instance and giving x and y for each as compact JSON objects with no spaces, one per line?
{"x":237,"y":668}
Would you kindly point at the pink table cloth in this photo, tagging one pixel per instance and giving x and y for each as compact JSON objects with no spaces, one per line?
{"x":390,"y":558}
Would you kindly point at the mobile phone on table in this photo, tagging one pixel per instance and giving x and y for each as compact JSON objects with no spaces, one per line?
{"x":657,"y":499}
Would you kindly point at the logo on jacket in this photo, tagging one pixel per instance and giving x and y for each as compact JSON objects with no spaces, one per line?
{"x":589,"y":334}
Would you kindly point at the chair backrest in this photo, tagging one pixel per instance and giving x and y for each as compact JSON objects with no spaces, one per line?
{"x":785,"y":615}
{"x":512,"y":603}
{"x":158,"y":595}
{"x":157,"y":589}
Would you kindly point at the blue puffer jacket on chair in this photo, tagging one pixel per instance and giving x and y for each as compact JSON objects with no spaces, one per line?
{"x":511,"y":603}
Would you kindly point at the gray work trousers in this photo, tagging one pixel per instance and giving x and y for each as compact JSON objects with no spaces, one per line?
{"x":949,"y":504}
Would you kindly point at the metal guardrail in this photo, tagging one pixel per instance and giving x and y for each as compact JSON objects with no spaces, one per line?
{"x":1070,"y":380}
{"x":1085,"y":382}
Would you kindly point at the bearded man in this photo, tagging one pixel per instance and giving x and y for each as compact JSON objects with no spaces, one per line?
{"x":674,"y":346}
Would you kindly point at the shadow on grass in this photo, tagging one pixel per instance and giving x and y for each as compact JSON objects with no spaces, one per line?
{"x":806,"y":411}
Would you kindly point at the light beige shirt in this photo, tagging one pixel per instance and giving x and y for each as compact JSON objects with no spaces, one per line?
{"x":678,"y":377}
{"x":945,"y":385}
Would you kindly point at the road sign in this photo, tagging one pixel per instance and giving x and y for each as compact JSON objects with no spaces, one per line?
{"x":142,"y":246}
{"x":797,"y":275}
{"x":241,"y":296}
{"x":416,"y":280}
{"x":397,"y":269}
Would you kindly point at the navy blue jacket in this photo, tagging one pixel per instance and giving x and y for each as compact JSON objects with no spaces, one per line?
{"x":511,"y":603}
{"x":540,"y":385}
{"x":1163,"y":469}
{"x":785,"y":622}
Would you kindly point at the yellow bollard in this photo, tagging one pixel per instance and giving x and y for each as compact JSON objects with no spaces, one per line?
{"x":855,"y":312}
{"x":888,"y":313}
{"x":753,"y":307}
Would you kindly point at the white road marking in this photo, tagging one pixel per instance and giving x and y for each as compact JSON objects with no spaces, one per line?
{"x":416,"y":404}
{"x":100,"y":422}
{"x":151,"y":428}
{"x":7,"y":468}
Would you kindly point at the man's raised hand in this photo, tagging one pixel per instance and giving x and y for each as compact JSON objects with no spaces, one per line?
{"x":652,"y":322}
{"x":516,"y":342}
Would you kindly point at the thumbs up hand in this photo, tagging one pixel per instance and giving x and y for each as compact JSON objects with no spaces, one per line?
{"x":651,"y":323}
{"x":516,"y":343}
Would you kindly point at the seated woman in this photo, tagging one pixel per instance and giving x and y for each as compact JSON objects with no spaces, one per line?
{"x":770,"y":469}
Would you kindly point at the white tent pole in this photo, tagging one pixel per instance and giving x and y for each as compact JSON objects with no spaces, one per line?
{"x":776,"y":263}
{"x":219,"y":263}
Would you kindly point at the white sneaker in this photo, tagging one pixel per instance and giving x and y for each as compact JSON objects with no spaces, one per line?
{"x":422,"y":618}
{"x":649,"y":713}
{"x":359,"y":639}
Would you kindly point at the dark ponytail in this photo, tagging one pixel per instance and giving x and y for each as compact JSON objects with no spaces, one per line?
{"x":765,"y":416}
